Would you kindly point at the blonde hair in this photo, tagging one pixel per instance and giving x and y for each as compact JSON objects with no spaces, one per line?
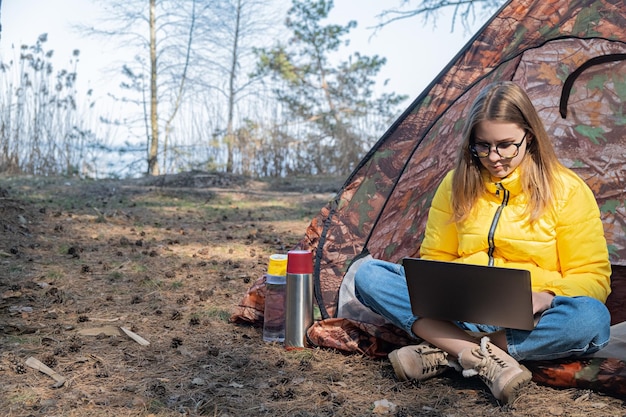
{"x":507,"y":102}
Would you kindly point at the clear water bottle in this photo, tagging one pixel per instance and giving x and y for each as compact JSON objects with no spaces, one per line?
{"x":275,"y":293}
{"x":299,"y":307}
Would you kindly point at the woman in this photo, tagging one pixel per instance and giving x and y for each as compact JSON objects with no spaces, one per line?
{"x":507,"y":203}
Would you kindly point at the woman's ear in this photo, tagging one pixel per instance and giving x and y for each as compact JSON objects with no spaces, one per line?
{"x":529,"y":137}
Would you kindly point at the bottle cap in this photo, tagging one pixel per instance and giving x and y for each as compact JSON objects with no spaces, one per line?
{"x":277,"y":265}
{"x":299,"y":262}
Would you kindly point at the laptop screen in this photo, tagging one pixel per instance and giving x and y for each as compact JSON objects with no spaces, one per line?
{"x":470,"y":293}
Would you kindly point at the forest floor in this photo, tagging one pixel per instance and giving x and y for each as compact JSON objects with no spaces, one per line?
{"x":168,"y":259}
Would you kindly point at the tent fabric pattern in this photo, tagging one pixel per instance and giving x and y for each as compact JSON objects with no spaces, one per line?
{"x":606,"y":375}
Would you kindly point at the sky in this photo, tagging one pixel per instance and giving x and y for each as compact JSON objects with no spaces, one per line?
{"x":415,"y":51}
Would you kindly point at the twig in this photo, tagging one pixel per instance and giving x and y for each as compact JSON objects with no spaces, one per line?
{"x":41,"y":367}
{"x":105,"y":320}
{"x":135,"y":337}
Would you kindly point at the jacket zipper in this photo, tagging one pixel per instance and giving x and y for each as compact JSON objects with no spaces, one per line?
{"x":496,"y":218}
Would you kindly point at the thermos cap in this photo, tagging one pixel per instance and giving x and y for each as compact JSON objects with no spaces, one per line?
{"x":299,"y":262}
{"x":277,"y":265}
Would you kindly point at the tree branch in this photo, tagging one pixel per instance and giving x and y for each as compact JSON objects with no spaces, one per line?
{"x":429,"y":9}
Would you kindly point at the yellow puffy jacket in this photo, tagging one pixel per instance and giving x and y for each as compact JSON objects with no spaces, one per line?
{"x":565,"y":250}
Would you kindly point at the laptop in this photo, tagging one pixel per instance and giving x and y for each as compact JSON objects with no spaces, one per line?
{"x":470,"y":293}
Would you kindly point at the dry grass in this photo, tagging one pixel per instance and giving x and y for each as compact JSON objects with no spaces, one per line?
{"x":169,"y":259}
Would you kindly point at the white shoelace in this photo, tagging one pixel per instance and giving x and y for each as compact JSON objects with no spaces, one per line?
{"x":489,"y":366}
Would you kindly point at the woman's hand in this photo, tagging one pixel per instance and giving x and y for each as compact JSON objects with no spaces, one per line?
{"x":541,"y":301}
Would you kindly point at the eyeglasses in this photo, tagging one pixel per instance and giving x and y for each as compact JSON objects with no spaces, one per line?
{"x":506,"y":150}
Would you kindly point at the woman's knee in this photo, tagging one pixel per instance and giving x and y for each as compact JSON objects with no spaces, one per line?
{"x":373,"y":274}
{"x":586,"y":314}
{"x":364,"y":277}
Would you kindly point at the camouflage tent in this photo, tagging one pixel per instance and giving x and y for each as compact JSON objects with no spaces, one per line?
{"x":569,"y":55}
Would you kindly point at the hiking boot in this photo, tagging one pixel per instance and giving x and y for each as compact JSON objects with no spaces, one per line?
{"x":503,"y":375}
{"x":418,"y":362}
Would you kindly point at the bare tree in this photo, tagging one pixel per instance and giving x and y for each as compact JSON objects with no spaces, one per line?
{"x":430,"y":9}
{"x":181,"y":87}
{"x":187,"y":50}
{"x":153,"y":165}
{"x":161,"y":34}
{"x":231,"y":32}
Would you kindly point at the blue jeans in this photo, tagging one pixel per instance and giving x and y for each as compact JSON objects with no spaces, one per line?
{"x":572,"y":326}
